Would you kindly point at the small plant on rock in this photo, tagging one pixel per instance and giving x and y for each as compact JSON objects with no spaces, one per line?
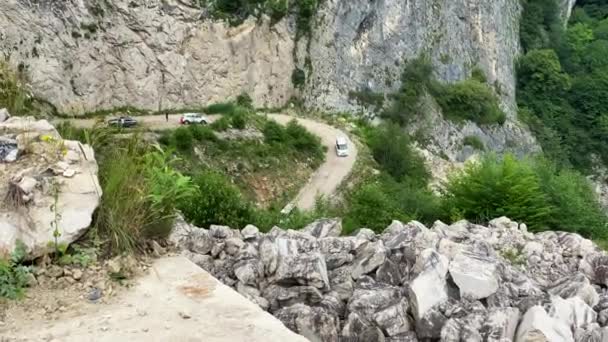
{"x":13,"y":275}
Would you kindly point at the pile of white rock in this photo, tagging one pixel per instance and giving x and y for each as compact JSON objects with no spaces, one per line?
{"x":459,"y":282}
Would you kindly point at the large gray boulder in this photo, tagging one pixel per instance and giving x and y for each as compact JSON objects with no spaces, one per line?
{"x":429,"y":288}
{"x":314,"y":323}
{"x":324,"y":228}
{"x":54,"y":185}
{"x":474,"y":275}
{"x":537,"y":326}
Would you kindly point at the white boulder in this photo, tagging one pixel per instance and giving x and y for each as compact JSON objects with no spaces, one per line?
{"x":474,"y":275}
{"x":49,"y":200}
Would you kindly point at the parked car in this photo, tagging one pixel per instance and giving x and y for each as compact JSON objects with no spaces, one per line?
{"x":123,"y":121}
{"x":193,"y":118}
{"x":341,"y":147}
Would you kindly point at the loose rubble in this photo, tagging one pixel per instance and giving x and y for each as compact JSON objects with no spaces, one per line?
{"x":459,"y":282}
{"x":45,"y":183}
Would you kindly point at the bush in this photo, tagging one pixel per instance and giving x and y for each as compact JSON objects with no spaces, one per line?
{"x":202,"y":133}
{"x":298,"y":78}
{"x":494,"y":188}
{"x":474,"y":142}
{"x":370,"y":207}
{"x":183,"y":139}
{"x":13,"y":92}
{"x":470,"y":100}
{"x":239,"y":118}
{"x":416,"y":80}
{"x":368,"y":99}
{"x":274,"y":133}
{"x":221,"y":124}
{"x":534,"y":192}
{"x":391,"y":148}
{"x":13,"y":275}
{"x":220,"y":108}
{"x":140,"y":191}
{"x":216,"y":201}
{"x":303,"y":141}
{"x":245,"y":101}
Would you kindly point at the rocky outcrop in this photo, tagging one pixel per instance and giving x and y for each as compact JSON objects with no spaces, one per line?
{"x":48,"y":187}
{"x":94,"y":54}
{"x":459,"y":282}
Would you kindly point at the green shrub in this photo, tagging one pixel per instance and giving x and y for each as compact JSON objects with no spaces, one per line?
{"x":298,"y":78}
{"x":474,"y":142}
{"x":13,"y":275}
{"x":540,"y":24}
{"x":183,"y":139}
{"x":216,"y":201}
{"x":221,"y":124}
{"x":304,"y":141}
{"x":470,"y":100}
{"x":140,"y":191}
{"x":274,"y":133}
{"x":494,"y":188}
{"x":416,"y":80}
{"x":220,"y":108}
{"x":575,"y":205}
{"x":370,"y":207}
{"x":535,"y":192}
{"x":202,"y":133}
{"x":479,"y":75}
{"x":391,"y":148}
{"x":13,"y":92}
{"x":239,"y":118}
{"x":244,"y":101}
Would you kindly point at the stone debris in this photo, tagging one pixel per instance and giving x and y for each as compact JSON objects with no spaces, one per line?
{"x":460,"y":282}
{"x":44,"y":177}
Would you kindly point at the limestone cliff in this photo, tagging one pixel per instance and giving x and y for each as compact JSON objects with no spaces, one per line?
{"x":84,"y":55}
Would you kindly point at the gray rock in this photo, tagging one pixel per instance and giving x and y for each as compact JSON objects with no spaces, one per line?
{"x":389,"y":273}
{"x":77,"y":197}
{"x":394,"y":319}
{"x":324,"y":228}
{"x":474,"y":275}
{"x":253,"y":294}
{"x":369,"y":257}
{"x":233,"y":245}
{"x":375,"y":297}
{"x":429,"y":288}
{"x":4,"y":115}
{"x":500,"y":325}
{"x":250,"y":232}
{"x":359,"y":329}
{"x":203,"y":261}
{"x":220,"y":232}
{"x":341,"y":282}
{"x":537,"y":325}
{"x":314,"y":323}
{"x":280,"y":296}
{"x":572,"y":311}
{"x":303,"y":269}
{"x":199,"y":241}
{"x":8,"y":150}
{"x":429,"y":326}
{"x":249,"y":271}
{"x":575,"y":286}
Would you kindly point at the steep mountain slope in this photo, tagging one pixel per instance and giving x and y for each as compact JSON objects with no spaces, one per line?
{"x":94,"y":54}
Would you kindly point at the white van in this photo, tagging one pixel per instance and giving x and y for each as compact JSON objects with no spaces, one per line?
{"x":341,"y":147}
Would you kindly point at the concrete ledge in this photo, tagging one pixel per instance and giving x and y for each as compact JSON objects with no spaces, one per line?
{"x":177,"y":301}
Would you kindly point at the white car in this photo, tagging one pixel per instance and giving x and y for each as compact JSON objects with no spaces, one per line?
{"x":341,"y":147}
{"x":193,"y":118}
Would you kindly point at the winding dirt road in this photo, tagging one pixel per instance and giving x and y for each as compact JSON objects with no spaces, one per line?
{"x":324,"y":181}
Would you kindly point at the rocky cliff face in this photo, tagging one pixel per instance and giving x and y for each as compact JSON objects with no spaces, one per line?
{"x":462,"y":282}
{"x":94,"y":54}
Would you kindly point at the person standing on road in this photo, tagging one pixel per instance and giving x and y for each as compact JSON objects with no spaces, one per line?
{"x":167,"y":116}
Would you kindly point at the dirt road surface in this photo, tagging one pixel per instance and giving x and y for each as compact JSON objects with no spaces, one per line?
{"x":324,"y":181}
